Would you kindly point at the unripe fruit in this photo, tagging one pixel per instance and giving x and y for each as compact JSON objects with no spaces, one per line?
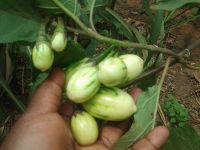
{"x":42,"y":56}
{"x":84,"y":128}
{"x":134,"y":65}
{"x":59,"y":39}
{"x":77,"y":66}
{"x":83,"y":85}
{"x":112,"y":71}
{"x":111,"y":104}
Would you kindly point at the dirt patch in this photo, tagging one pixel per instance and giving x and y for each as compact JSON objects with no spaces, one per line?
{"x":180,"y":81}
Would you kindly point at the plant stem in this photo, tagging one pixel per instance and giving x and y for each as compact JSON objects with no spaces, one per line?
{"x":76,"y":31}
{"x":70,"y":14}
{"x":125,"y":44}
{"x":160,"y":111}
{"x":91,"y":15}
{"x":167,"y":64}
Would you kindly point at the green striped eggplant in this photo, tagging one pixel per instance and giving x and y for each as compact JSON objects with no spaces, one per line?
{"x":84,"y":128}
{"x":77,"y":66}
{"x":83,"y":85}
{"x":59,"y":38}
{"x":42,"y":56}
{"x":112,"y":71}
{"x":111,"y":104}
{"x":134,"y":65}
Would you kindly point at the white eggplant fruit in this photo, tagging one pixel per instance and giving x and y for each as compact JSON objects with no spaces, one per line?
{"x":112,"y":71}
{"x":42,"y":56}
{"x":59,"y":38}
{"x":83,"y":85}
{"x":111,"y":104}
{"x":84,"y":128}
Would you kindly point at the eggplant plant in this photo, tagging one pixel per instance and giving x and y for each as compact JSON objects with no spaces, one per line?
{"x":101,"y":56}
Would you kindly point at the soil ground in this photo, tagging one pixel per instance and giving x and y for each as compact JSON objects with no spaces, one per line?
{"x":180,"y":81}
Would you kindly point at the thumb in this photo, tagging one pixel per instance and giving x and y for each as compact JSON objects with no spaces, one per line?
{"x":154,"y":141}
{"x":47,"y":98}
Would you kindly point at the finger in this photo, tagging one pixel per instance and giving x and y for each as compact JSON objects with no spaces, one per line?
{"x":97,"y":146}
{"x":67,"y":110}
{"x":113,"y":131}
{"x":135,"y":93}
{"x":154,"y":140}
{"x":47,"y":98}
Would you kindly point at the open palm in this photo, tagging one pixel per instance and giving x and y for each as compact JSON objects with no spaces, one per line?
{"x":45,"y":125}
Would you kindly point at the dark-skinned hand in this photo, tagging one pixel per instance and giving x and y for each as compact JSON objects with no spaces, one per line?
{"x":46,"y":124}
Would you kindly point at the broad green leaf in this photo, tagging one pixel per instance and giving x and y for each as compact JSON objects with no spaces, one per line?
{"x":20,"y":21}
{"x":17,"y":28}
{"x":49,"y":6}
{"x":172,"y":4}
{"x":99,"y":5}
{"x":112,"y":17}
{"x":25,"y":9}
{"x":72,"y":52}
{"x":144,"y":119}
{"x":183,"y":138}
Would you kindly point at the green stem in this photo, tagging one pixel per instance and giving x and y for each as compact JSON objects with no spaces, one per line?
{"x":70,"y":14}
{"x":160,"y":111}
{"x":91,"y":15}
{"x":167,"y":64}
{"x":76,"y":31}
{"x":125,"y":44}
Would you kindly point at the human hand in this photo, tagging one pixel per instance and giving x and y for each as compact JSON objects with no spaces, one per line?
{"x":46,"y":124}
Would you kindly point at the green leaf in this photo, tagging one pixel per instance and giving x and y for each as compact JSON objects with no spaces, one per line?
{"x":20,"y":21}
{"x":17,"y":28}
{"x":90,"y":49}
{"x":112,"y":17}
{"x":157,"y":31}
{"x":25,"y":9}
{"x":144,"y":119}
{"x":172,"y":4}
{"x":173,"y":120}
{"x":156,"y":27}
{"x":182,"y":138}
{"x":147,"y":8}
{"x":181,"y":124}
{"x":72,"y":52}
{"x":50,"y":7}
{"x":99,"y":5}
{"x":141,"y":39}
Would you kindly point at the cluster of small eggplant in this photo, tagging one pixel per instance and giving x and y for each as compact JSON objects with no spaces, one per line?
{"x":97,"y":89}
{"x":43,"y":51}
